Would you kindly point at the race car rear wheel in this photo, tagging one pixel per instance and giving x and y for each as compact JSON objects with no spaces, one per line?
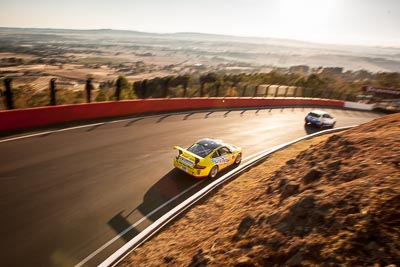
{"x":213,"y":172}
{"x":238,"y":159}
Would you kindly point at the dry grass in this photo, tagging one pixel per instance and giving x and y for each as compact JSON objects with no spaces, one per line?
{"x":333,"y":200}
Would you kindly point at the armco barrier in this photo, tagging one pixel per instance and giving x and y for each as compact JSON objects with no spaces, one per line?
{"x":19,"y":119}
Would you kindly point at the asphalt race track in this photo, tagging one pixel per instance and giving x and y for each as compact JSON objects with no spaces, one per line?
{"x":66,"y":196}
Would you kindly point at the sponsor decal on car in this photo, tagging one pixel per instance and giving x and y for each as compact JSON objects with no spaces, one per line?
{"x":220,"y":160}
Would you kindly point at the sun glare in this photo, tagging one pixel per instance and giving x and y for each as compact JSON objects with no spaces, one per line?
{"x":304,"y":19}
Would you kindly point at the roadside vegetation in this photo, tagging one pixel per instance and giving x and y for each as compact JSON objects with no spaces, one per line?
{"x":323,"y":83}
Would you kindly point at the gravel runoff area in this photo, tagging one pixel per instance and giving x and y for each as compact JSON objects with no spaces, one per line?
{"x":330,"y":201}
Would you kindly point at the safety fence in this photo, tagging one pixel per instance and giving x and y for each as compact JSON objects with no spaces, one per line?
{"x":14,"y":97}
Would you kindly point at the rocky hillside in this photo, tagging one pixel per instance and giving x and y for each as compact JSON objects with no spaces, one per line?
{"x":331,"y":201}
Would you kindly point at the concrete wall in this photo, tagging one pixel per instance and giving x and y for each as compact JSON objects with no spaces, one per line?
{"x":359,"y":106}
{"x":35,"y":117}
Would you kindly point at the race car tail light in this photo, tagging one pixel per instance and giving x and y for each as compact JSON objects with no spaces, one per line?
{"x":199,"y":167}
{"x":196,"y":160}
{"x":179,"y":153}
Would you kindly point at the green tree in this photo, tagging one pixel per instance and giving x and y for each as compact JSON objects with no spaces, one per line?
{"x":208,"y":78}
{"x":126,"y":88}
{"x":388,"y":79}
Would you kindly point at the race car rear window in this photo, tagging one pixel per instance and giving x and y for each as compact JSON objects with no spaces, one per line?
{"x":200,"y":150}
{"x":312,"y":114}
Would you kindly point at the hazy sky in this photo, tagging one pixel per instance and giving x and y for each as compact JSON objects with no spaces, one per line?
{"x":369,"y":22}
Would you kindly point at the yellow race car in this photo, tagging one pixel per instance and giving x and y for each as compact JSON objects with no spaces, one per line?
{"x":207,"y":157}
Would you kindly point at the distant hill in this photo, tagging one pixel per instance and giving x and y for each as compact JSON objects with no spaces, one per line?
{"x":256,"y":51}
{"x":178,"y":35}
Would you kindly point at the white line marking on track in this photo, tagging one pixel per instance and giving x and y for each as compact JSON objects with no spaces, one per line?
{"x":50,"y":132}
{"x":92,"y":255}
{"x":109,"y":122}
{"x":258,"y":153}
{"x":92,"y":125}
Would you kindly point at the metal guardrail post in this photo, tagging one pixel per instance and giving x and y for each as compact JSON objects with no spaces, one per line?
{"x":8,"y":93}
{"x":244,"y":90}
{"x":286,"y":90}
{"x":144,"y":89}
{"x":217,"y":86}
{"x":166,"y":85}
{"x":185,"y":85}
{"x":118,"y":88}
{"x":53,"y":92}
{"x":255,"y":91}
{"x":88,"y":88}
{"x":201,"y":89}
{"x":276,"y":91}
{"x":267,"y":90}
{"x":295,"y":91}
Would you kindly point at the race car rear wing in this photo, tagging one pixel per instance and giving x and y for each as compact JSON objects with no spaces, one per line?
{"x":181,"y":150}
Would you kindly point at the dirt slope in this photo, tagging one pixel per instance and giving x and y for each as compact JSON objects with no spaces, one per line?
{"x":331,"y":201}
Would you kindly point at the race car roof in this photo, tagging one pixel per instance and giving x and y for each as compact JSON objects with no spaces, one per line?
{"x":210,"y":143}
{"x":319,"y":112}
